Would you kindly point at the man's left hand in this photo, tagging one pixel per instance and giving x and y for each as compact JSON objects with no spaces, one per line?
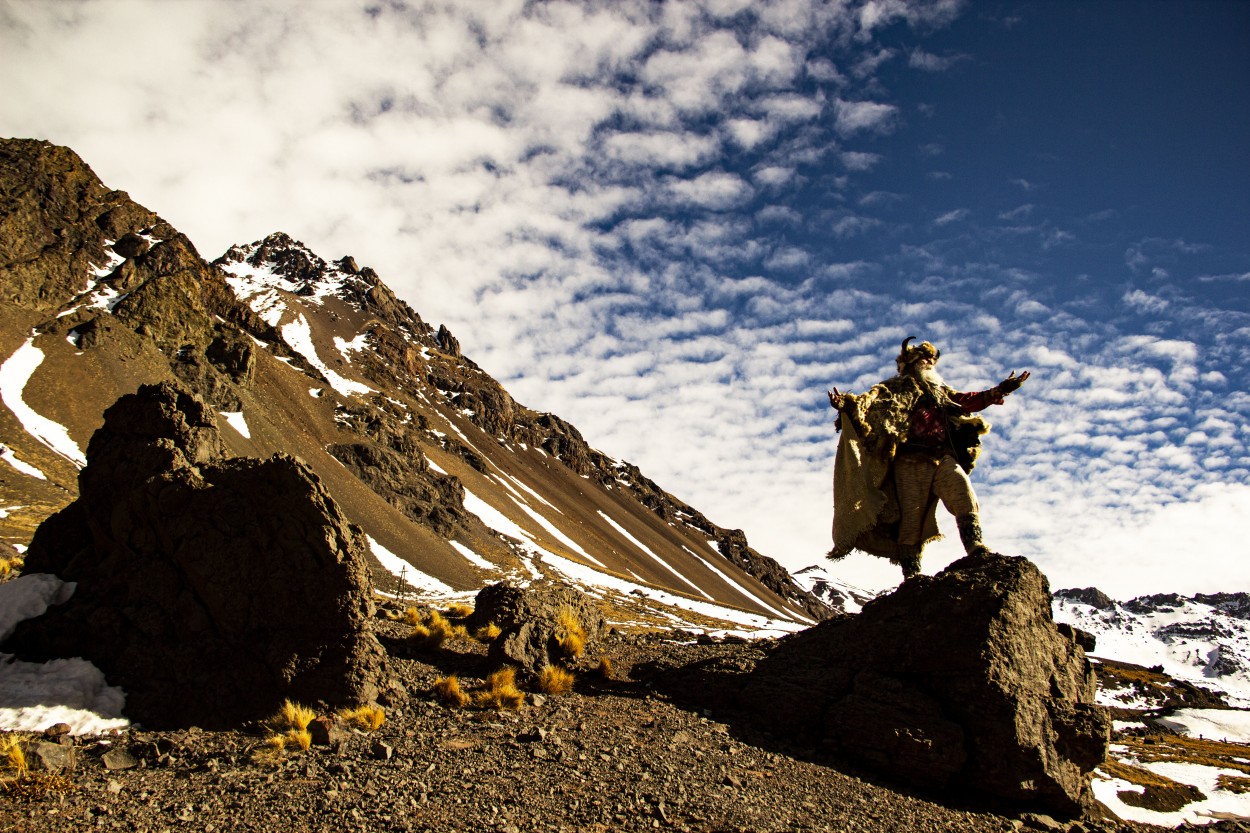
{"x":1013,"y":382}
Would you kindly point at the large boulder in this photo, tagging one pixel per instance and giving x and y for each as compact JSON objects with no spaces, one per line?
{"x":956,"y":680}
{"x":209,"y":589}
{"x":539,"y":625}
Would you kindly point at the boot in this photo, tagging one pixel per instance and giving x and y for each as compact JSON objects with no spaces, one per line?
{"x":970,"y":534}
{"x":909,"y":560}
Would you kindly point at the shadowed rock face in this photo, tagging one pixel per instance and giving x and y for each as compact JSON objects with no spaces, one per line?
{"x":208,"y":589}
{"x":958,"y":679}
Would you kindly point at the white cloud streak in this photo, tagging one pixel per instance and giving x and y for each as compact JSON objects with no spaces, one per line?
{"x":596,"y":198}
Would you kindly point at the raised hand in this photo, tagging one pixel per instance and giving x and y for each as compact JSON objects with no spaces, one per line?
{"x":1013,"y":382}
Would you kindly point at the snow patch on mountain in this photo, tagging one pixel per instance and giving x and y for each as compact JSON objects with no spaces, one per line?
{"x":407,"y":573}
{"x":15,"y":373}
{"x":651,"y":553}
{"x":735,"y":585}
{"x":1212,"y":724}
{"x":298,"y":334}
{"x":1204,"y":640}
{"x":589,"y":580}
{"x":237,"y":422}
{"x":9,"y":456}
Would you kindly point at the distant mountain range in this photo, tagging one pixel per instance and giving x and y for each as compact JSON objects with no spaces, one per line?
{"x":455,"y":482}
{"x":1202,"y":639}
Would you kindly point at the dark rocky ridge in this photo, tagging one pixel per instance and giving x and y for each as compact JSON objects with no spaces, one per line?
{"x":209,"y":589}
{"x":397,"y":336}
{"x":164,"y":314}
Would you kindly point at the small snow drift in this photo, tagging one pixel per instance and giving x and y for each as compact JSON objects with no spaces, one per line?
{"x":210,"y":589}
{"x":959,"y":679}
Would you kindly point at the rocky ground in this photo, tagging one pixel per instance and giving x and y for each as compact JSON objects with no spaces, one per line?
{"x":616,"y":754}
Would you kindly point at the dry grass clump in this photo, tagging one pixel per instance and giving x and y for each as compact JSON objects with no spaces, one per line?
{"x":16,"y":778}
{"x":604,"y":669}
{"x":13,"y":756}
{"x":293,"y":716}
{"x":570,"y":635}
{"x":458,"y":610}
{"x":487,"y":633}
{"x":431,"y":630}
{"x":288,"y":729}
{"x":368,"y":718}
{"x":553,"y":680}
{"x":11,"y":564}
{"x":500,"y":691}
{"x":448,"y":690}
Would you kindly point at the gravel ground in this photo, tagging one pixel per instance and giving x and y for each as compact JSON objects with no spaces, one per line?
{"x":611,"y":755}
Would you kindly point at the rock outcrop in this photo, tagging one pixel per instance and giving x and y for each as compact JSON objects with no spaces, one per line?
{"x":539,"y":626}
{"x":956,"y":680}
{"x":209,"y":589}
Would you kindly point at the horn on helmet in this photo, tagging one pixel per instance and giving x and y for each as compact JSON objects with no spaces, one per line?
{"x":904,"y":347}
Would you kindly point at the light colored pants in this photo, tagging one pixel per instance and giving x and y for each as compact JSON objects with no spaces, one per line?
{"x":918,"y":479}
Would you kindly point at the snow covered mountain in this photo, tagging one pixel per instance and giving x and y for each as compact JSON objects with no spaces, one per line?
{"x":455,"y":483}
{"x":1202,"y":639}
{"x":821,"y":582}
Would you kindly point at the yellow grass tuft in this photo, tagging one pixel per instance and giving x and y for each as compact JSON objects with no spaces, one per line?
{"x":293,"y":716}
{"x":368,"y":718}
{"x":487,"y":633}
{"x":448,"y":690}
{"x":460,"y":632}
{"x":276,"y":742}
{"x":555,"y":680}
{"x":299,"y":737}
{"x":12,"y":755}
{"x":9,"y":564}
{"x":500,"y":691}
{"x":458,"y":611}
{"x":413,"y":616}
{"x":432,"y":631}
{"x":604,"y":669}
{"x":570,"y":635}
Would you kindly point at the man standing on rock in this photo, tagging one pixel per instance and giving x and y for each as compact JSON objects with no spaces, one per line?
{"x":907,"y":443}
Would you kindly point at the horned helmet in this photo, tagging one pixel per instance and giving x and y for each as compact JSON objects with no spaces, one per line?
{"x":908,"y":354}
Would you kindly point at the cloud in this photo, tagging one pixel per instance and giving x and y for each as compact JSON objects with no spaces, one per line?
{"x":860,"y":161}
{"x":662,"y":150}
{"x":640,"y":214}
{"x":1020,"y":212}
{"x":853,"y":225}
{"x":853,"y":117}
{"x":927,"y":61}
{"x":1144,"y":301}
{"x":716,"y":190}
{"x":955,"y":216}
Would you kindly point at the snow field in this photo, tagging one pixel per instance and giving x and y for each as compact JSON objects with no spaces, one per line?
{"x":34,"y":696}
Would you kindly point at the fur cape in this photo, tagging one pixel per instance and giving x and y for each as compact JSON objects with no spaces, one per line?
{"x":874,"y":425}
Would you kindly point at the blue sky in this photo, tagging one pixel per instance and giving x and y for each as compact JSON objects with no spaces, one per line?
{"x":677,"y":224}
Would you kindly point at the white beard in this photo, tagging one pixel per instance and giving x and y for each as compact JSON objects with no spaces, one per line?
{"x":930,"y":375}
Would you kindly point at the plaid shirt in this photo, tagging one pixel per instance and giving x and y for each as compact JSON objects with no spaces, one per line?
{"x":928,"y":424}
